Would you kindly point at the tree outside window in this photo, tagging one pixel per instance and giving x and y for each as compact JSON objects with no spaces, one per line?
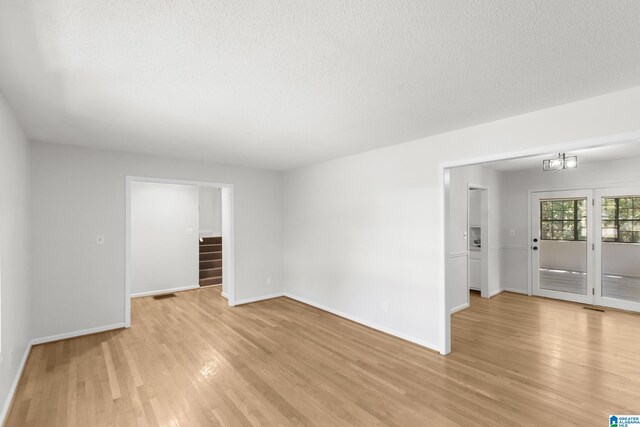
{"x":621,"y":219}
{"x":563,"y":219}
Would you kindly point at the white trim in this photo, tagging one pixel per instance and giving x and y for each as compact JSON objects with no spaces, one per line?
{"x":224,"y":295}
{"x":501,"y":290}
{"x":164,"y":291}
{"x":14,"y":385}
{"x":458,"y":254}
{"x":371,"y":325}
{"x":599,"y":299}
{"x":228,"y":241}
{"x":75,"y":334}
{"x":43,"y":340}
{"x":534,"y":226}
{"x":228,"y":244}
{"x":515,"y":248}
{"x":127,"y":252}
{"x":496,"y":292}
{"x":262,"y":298}
{"x":443,"y":185}
{"x":515,"y":291}
{"x":444,"y":180}
{"x":460,"y":308}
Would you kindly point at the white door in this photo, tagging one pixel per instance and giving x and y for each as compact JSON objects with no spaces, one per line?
{"x":618,"y":248}
{"x":562,"y":245}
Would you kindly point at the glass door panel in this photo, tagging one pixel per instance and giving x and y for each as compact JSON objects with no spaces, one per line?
{"x":618,"y":255}
{"x":561,"y":257}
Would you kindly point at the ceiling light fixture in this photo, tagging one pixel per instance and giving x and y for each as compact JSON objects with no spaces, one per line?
{"x":559,"y":163}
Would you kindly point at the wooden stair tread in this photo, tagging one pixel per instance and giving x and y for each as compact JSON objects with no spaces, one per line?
{"x":210,"y":257}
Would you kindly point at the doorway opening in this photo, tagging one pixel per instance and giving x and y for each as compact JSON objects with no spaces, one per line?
{"x":597,"y":242}
{"x":211,"y":249}
{"x":163,"y":238}
{"x":478,"y":236}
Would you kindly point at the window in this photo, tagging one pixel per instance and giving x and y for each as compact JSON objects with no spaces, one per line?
{"x":621,"y":219}
{"x":563,"y":219}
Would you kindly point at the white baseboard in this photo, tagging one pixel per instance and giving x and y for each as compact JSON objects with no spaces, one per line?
{"x":74,"y":334}
{"x":496,"y":292}
{"x":516,"y":291}
{"x":164,"y":291}
{"x":43,"y":340}
{"x":499,"y":291}
{"x":14,"y":385}
{"x":262,"y":298}
{"x":371,"y":325}
{"x":459,"y":308}
{"x":224,"y":295}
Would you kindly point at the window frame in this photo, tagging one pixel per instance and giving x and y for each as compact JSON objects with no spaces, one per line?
{"x":616,"y":220}
{"x":576,"y":220}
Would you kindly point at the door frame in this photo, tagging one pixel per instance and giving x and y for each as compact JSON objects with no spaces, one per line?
{"x":588,"y":298}
{"x":228,"y":236}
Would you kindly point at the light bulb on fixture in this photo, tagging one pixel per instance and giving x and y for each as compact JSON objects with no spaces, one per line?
{"x":559,"y":163}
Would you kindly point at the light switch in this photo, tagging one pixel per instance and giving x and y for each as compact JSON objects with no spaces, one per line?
{"x":512,"y":232}
{"x":99,"y":239}
{"x":189,"y":230}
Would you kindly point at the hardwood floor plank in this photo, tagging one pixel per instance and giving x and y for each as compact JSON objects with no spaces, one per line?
{"x":191,"y":360}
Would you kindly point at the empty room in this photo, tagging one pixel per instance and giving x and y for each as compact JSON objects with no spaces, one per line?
{"x":231,"y":213}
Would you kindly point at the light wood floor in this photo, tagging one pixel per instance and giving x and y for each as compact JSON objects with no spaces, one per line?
{"x":190,"y":361}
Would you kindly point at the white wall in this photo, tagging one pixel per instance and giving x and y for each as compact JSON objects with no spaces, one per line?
{"x":163,"y":254}
{"x":210,"y":211}
{"x":515,"y":200}
{"x":79,"y":192}
{"x":364,"y":229}
{"x":15,"y":254}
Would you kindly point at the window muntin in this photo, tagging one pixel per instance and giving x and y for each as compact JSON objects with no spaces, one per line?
{"x":563,"y":219}
{"x":621,"y":219}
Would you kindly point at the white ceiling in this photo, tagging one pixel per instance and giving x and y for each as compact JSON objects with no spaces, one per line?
{"x":279,"y":84}
{"x":588,"y":155}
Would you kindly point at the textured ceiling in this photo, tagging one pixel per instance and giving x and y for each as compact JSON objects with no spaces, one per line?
{"x":279,"y":84}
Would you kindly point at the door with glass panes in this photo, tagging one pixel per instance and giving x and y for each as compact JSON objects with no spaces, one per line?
{"x":561,"y":245}
{"x":617,"y":251}
{"x":586,"y":246}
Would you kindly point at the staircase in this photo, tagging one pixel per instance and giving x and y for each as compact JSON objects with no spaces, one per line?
{"x":211,"y":261}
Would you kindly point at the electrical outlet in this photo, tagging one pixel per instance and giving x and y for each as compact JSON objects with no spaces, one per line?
{"x":11,"y":357}
{"x":189,"y":230}
{"x":268,"y":280}
{"x":385,"y":307}
{"x":512,"y":232}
